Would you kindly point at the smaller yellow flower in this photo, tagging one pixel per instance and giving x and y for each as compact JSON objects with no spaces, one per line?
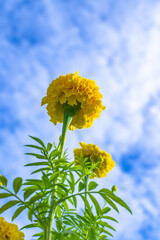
{"x":95,"y":155}
{"x":9,"y":231}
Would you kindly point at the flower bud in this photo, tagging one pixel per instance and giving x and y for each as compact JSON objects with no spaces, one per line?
{"x":114,"y":188}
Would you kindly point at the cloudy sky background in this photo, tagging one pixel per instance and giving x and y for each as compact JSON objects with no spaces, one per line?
{"x":116,"y":43}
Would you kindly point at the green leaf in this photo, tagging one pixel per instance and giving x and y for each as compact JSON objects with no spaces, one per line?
{"x":91,"y":233}
{"x":39,"y":234}
{"x":75,"y":201}
{"x":5,"y":195}
{"x":3,"y":180}
{"x":58,"y":211}
{"x":39,"y":156}
{"x":92,"y":185}
{"x":40,"y":170}
{"x":35,"y":198}
{"x":105,"y":210}
{"x":86,"y":221}
{"x":72,"y":181}
{"x":96,"y":204}
{"x":18,"y":211}
{"x":87,"y":205}
{"x":8,"y":205}
{"x":31,"y":187}
{"x":61,"y":186}
{"x":54,"y":153}
{"x":81,"y":186}
{"x":34,"y":146}
{"x":28,"y":193}
{"x":30,"y":226}
{"x":38,"y":140}
{"x":49,"y":146}
{"x":65,"y":205}
{"x":110,"y":218}
{"x":54,"y":176}
{"x":105,"y":231}
{"x":105,"y":224}
{"x":30,"y":214}
{"x":36,"y":164}
{"x":103,"y":237}
{"x":109,"y":201}
{"x":115,"y":198}
{"x":17,"y":183}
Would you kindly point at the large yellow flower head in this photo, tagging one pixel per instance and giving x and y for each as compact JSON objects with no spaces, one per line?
{"x":75,"y":91}
{"x":93,"y":154}
{"x":9,"y":231}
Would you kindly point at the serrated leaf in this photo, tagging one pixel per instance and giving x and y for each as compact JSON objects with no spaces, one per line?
{"x":96,"y":204}
{"x":28,"y":193}
{"x":87,"y":205}
{"x":54,"y":153}
{"x":3,"y":180}
{"x":29,"y":226}
{"x":103,"y":237}
{"x":36,"y":164}
{"x":39,"y":156}
{"x":61,"y":186}
{"x":40,"y":170}
{"x":72,"y":185}
{"x":75,"y":201}
{"x":92,"y":185}
{"x":5,"y":195}
{"x":35,"y":198}
{"x":49,"y":146}
{"x":54,"y":176}
{"x":65,"y":205}
{"x":58,"y":211}
{"x":17,"y":183}
{"x":30,"y":215}
{"x":84,"y":219}
{"x":110,"y":218}
{"x":105,"y":231}
{"x":8,"y":205}
{"x":115,"y":198}
{"x":109,"y":201}
{"x":105,"y":224}
{"x":18,"y":211}
{"x":38,"y":234}
{"x":105,"y":210}
{"x":34,"y":146}
{"x":81,"y":186}
{"x":38,"y":140}
{"x":31,"y":187}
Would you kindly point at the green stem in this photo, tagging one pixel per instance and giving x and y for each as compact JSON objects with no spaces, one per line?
{"x":69,"y":113}
{"x":68,"y":116}
{"x":86,"y":178}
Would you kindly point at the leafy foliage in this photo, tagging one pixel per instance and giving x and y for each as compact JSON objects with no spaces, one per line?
{"x":67,"y":181}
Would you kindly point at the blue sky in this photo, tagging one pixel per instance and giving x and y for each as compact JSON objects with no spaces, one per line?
{"x":116,"y":43}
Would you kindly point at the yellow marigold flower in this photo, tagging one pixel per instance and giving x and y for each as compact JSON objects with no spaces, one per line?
{"x":95,"y":155}
{"x":74,"y":90}
{"x":9,"y":231}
